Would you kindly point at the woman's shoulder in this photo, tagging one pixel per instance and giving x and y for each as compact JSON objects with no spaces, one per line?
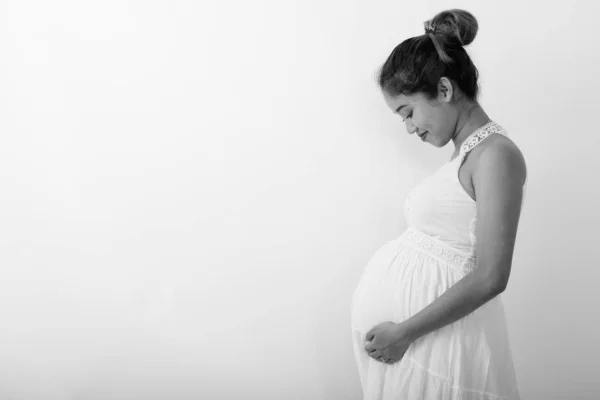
{"x":499,"y":142}
{"x":497,"y":150}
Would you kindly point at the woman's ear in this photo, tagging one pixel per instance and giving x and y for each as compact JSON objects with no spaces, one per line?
{"x":445,"y":90}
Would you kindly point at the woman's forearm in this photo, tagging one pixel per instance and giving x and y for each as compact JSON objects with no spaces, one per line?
{"x":468,"y":294}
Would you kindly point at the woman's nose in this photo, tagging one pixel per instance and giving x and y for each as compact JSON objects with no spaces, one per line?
{"x":410,"y":127}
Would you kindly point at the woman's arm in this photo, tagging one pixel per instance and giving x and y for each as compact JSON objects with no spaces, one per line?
{"x":498,"y":181}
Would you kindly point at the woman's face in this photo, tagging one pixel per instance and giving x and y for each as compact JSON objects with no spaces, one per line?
{"x":433,"y":121}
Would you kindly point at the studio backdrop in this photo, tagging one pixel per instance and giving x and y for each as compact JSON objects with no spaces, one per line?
{"x":190,"y":191}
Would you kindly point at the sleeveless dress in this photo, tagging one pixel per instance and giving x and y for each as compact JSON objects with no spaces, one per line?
{"x":469,"y":359}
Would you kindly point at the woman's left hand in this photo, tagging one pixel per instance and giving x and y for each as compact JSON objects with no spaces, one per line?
{"x":387,"y":342}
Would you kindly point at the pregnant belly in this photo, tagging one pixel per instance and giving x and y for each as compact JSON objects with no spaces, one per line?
{"x":398,"y":282}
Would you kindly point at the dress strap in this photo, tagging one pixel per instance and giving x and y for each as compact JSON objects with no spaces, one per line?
{"x":477,"y":137}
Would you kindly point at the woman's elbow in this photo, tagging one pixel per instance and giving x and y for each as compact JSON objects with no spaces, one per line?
{"x":494,"y":283}
{"x":499,"y":286}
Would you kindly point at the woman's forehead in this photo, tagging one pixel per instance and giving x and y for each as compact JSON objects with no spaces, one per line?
{"x":397,"y":101}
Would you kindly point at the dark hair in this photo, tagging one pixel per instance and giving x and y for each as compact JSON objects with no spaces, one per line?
{"x":417,"y":64}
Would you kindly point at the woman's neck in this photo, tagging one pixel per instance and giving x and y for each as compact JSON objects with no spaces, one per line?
{"x":472,"y":119}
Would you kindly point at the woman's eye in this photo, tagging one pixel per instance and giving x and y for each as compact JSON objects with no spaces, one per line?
{"x":408,"y":116}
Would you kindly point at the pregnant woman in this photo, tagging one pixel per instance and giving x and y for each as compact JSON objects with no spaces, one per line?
{"x":427,"y":318}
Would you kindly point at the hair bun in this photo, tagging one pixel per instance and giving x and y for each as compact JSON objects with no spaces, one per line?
{"x":456,"y":26}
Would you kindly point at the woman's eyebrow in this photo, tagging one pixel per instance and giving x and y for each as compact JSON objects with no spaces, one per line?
{"x":400,"y":108}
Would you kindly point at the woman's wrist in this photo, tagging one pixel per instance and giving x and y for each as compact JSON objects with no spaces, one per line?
{"x":405,"y":332}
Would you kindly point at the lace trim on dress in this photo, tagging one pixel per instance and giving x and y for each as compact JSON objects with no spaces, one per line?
{"x":478,"y":136}
{"x":464,"y":262}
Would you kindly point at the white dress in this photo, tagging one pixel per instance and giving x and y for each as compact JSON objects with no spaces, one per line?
{"x":469,"y":359}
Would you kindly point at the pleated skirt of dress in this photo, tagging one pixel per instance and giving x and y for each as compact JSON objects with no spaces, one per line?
{"x":469,"y":359}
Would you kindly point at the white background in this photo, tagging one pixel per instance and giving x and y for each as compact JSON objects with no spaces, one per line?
{"x":190,"y":190}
